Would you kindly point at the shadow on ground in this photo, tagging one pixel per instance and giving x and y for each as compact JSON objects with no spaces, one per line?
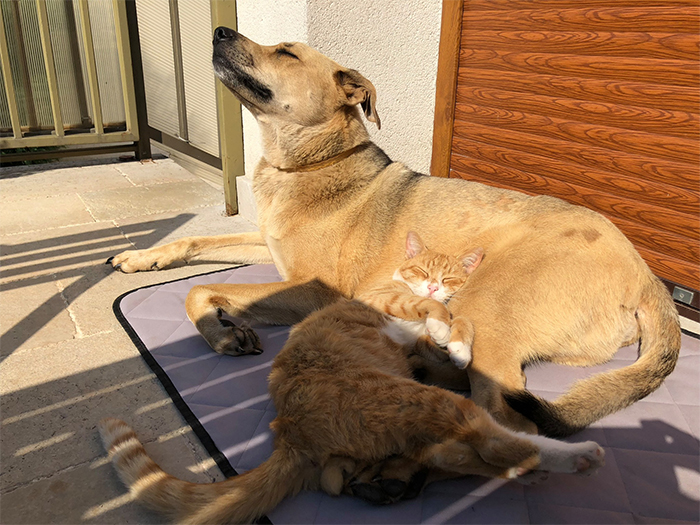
{"x":68,"y":257}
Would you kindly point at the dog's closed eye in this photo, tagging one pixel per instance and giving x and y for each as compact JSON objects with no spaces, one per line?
{"x":282,"y":51}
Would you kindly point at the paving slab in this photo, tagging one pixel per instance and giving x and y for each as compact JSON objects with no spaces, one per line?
{"x":31,"y":368}
{"x":92,"y":493}
{"x":157,"y":172}
{"x":145,"y":200}
{"x":33,"y":314}
{"x":42,"y":212}
{"x":61,"y":181}
{"x":57,"y":253}
{"x":66,"y":362}
{"x":53,"y":398}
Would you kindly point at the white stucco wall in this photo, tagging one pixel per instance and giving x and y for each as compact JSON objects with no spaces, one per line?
{"x":267,"y":22}
{"x":394,"y":43}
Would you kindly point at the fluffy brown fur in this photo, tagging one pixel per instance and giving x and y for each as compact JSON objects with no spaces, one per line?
{"x":343,"y":395}
{"x":561,"y":283}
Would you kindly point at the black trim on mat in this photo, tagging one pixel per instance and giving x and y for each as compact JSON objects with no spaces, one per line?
{"x":221,"y":461}
{"x":691,"y":334}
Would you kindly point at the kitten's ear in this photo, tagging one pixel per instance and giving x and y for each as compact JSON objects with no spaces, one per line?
{"x":472,"y":260}
{"x":414,"y":245}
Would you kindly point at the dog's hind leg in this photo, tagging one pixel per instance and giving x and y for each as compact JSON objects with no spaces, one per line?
{"x":284,"y":303}
{"x":244,"y":248}
{"x":494,"y":370}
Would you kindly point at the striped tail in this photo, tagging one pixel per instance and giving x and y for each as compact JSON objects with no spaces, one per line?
{"x":240,"y":499}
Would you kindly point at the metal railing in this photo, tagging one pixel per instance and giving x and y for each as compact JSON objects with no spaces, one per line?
{"x":94,"y":131}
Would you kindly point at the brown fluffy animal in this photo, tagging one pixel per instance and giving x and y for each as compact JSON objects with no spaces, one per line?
{"x":561,"y":283}
{"x":343,"y":389}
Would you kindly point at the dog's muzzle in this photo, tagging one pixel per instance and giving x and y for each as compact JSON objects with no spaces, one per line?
{"x":222,"y":34}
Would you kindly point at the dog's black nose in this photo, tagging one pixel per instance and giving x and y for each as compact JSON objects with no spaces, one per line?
{"x":223,"y":33}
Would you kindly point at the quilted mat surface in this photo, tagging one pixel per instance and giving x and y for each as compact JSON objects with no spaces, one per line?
{"x":652,"y":471}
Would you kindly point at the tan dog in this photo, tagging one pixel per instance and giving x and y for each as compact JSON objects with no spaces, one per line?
{"x":559,"y":282}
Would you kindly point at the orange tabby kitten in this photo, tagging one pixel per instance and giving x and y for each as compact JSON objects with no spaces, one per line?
{"x":415,"y":300}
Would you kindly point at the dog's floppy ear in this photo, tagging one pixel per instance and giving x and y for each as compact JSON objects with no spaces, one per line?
{"x":359,"y":90}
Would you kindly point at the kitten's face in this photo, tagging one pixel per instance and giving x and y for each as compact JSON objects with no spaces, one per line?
{"x":434,"y":275}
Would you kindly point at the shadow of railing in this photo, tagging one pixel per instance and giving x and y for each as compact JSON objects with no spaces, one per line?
{"x":68,"y":257}
{"x":49,"y":438}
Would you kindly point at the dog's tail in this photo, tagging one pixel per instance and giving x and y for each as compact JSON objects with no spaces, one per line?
{"x":593,"y":398}
{"x":240,"y":499}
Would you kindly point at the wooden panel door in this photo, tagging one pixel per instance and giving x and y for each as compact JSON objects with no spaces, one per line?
{"x":596,"y":102}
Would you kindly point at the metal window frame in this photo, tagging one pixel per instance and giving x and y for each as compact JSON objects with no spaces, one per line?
{"x":126,"y":30}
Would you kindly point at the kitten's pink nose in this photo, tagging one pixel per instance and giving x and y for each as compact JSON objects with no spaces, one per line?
{"x":432,"y":288}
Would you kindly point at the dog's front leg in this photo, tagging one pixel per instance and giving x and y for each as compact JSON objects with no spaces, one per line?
{"x":284,"y":303}
{"x":244,"y":248}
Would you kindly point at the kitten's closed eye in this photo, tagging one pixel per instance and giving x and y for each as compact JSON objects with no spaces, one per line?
{"x":419,"y":273}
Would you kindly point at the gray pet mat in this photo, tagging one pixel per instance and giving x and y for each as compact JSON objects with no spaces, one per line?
{"x":652,"y":472}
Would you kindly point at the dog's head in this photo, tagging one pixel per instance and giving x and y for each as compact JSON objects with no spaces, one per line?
{"x":290,"y":82}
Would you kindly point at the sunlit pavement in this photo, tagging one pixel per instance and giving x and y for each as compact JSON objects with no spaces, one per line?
{"x":66,"y":361}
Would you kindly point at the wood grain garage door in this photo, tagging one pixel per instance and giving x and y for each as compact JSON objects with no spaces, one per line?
{"x":592,"y":101}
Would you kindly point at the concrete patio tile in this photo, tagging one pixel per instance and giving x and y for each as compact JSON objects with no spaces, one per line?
{"x":155,"y":172}
{"x":61,"y":181}
{"x":42,"y":213}
{"x":91,"y":294}
{"x":53,"y":398}
{"x":173,"y":226}
{"x":144,"y":200}
{"x":67,"y":362}
{"x":31,"y":368}
{"x":33,"y":314}
{"x":74,"y":257}
{"x":60,"y":252}
{"x":92,"y":493}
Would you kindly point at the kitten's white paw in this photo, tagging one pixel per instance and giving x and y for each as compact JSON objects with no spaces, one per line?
{"x":460,"y":353}
{"x":438,"y":331}
{"x":574,"y":458}
{"x":590,"y":458}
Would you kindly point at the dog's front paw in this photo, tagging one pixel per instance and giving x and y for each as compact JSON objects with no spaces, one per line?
{"x":237,"y":340}
{"x":438,"y":331}
{"x":131,"y":261}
